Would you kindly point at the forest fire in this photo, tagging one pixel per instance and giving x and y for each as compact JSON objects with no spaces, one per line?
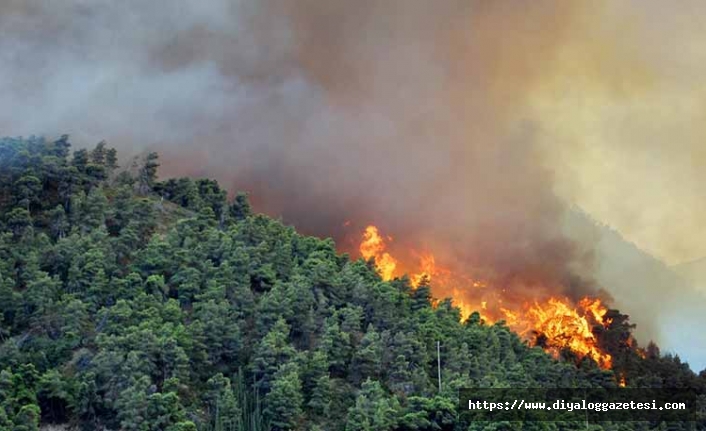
{"x":560,"y":326}
{"x":373,"y":246}
{"x":554,"y":323}
{"x":622,"y":382}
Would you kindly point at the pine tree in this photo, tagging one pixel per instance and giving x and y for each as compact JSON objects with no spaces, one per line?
{"x":320,"y":402}
{"x":29,"y":189}
{"x":224,"y":407}
{"x":148,"y":172}
{"x":18,"y":221}
{"x":98,"y":154}
{"x":111,"y":159}
{"x":220,"y":332}
{"x":94,"y":210}
{"x":27,"y":419}
{"x":367,"y":361}
{"x":421,"y":296}
{"x":61,"y":147}
{"x":58,"y":222}
{"x":80,"y":160}
{"x":273,"y":351}
{"x":336,"y":345}
{"x":373,"y":410}
{"x":283,"y":404}
{"x":240,"y":208}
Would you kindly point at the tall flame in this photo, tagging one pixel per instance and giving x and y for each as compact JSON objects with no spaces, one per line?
{"x":373,"y":246}
{"x":554,"y":323}
{"x":562,"y":326}
{"x":428,"y":269}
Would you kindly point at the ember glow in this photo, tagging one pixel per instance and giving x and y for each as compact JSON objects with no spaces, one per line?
{"x":622,"y":382}
{"x":554,"y":323}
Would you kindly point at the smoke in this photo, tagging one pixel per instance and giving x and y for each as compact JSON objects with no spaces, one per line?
{"x":621,"y":113}
{"x":461,"y":127}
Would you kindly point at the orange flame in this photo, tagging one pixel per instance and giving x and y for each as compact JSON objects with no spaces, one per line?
{"x":556,"y":324}
{"x":373,"y":246}
{"x":622,"y":382}
{"x":596,"y":308}
{"x":428,"y":270}
{"x":562,"y":326}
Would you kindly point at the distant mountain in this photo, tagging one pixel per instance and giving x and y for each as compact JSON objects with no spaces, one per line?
{"x":694,"y":272}
{"x":662,"y":301}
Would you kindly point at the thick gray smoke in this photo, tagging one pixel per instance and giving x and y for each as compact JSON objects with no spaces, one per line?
{"x":408,"y":114}
{"x":393,"y":113}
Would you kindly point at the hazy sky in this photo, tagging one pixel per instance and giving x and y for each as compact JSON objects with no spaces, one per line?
{"x":622,"y":112}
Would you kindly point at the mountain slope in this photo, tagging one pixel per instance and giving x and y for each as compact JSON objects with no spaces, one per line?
{"x":694,"y":272}
{"x":664,"y":305}
{"x":134,"y":304}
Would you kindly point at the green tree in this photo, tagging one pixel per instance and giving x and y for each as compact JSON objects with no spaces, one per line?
{"x":27,"y":419}
{"x":111,"y":159}
{"x":373,"y":409}
{"x":367,"y":360}
{"x":421,"y":296}
{"x":93,"y":211}
{"x":148,"y":172}
{"x":98,"y":154}
{"x":18,"y":221}
{"x":223,"y":405}
{"x":320,"y":402}
{"x":55,"y":395}
{"x":284,"y":402}
{"x":80,"y":160}
{"x":273,"y":351}
{"x":61,"y":147}
{"x":240,"y":208}
{"x":337,"y":347}
{"x":427,"y":414}
{"x":29,"y":189}
{"x":58,"y":222}
{"x":219,"y":331}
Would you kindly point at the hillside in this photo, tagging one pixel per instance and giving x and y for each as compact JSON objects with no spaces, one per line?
{"x":664,"y":304}
{"x":134,"y":304}
{"x":694,"y":272}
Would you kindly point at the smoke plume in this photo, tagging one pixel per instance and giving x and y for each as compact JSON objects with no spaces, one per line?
{"x":462,"y":127}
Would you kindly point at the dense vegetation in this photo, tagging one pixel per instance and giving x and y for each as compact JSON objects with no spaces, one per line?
{"x":137,"y":304}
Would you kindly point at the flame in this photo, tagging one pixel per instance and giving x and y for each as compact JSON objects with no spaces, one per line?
{"x":596,"y":308}
{"x":554,"y":323}
{"x":428,"y":270}
{"x":622,"y":382}
{"x":562,"y":326}
{"x":511,"y":318}
{"x":373,"y":246}
{"x":466,"y":310}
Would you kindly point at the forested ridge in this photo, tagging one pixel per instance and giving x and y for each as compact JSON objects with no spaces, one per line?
{"x":131,"y":303}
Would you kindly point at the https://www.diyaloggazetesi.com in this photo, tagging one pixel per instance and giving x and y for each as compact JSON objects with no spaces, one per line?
{"x":571,"y":406}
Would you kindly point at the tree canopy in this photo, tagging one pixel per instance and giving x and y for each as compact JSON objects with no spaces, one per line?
{"x":132,"y":303}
